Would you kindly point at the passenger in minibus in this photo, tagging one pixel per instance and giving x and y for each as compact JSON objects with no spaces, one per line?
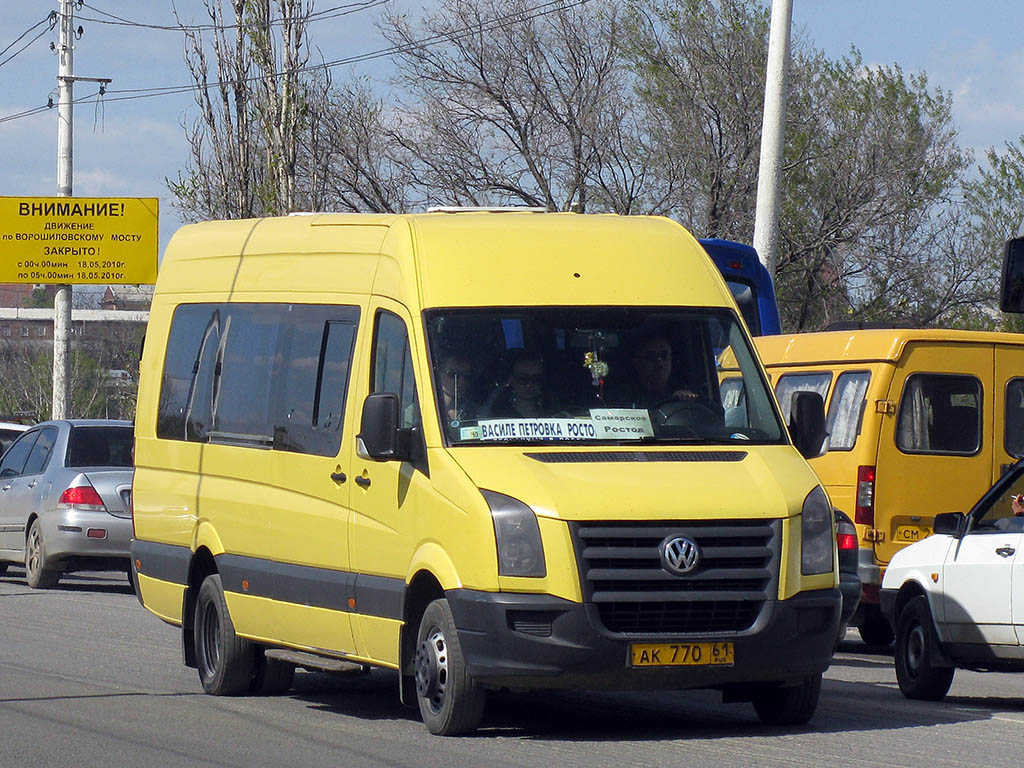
{"x":524,"y":394}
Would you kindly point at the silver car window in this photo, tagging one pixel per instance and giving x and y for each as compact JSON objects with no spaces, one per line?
{"x":40,"y":455}
{"x":14,"y":460}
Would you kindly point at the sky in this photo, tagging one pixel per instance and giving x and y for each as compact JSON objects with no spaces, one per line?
{"x":128,"y":147}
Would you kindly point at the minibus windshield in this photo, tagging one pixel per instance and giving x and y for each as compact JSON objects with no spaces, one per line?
{"x":597,"y":375}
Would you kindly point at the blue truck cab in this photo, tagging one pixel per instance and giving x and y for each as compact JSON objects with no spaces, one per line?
{"x":749,"y":282}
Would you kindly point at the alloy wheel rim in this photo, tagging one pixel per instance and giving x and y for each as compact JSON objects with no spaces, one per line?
{"x":34,"y":551}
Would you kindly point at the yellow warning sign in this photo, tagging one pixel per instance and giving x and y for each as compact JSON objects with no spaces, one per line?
{"x":78,"y":240}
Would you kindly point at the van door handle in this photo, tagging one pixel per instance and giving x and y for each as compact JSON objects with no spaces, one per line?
{"x":6,"y":487}
{"x":363,"y":482}
{"x":1005,"y":551}
{"x":33,"y":484}
{"x":338,"y":477}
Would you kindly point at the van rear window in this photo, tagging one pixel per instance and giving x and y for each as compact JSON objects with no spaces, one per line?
{"x":272,"y":376}
{"x":1014,"y":422}
{"x":940,"y":413}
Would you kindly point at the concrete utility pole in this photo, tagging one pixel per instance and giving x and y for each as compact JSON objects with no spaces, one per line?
{"x":773,"y":135}
{"x":65,"y":141}
{"x":62,"y":300}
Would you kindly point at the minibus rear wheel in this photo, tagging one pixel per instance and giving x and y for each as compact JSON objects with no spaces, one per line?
{"x":226,"y":661}
{"x":451,"y":702}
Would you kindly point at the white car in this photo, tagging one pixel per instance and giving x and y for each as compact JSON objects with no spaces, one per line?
{"x":9,"y":431}
{"x":956,"y":598}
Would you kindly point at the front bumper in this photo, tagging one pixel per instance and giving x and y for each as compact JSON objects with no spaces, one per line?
{"x":523,"y":641}
{"x":66,"y":536}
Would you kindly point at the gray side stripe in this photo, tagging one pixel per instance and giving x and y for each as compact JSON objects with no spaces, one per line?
{"x":298,"y":584}
{"x":167,"y":562}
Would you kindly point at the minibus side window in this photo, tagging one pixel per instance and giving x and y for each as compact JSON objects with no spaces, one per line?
{"x":392,"y":366}
{"x":1013,"y":438}
{"x":846,"y":410}
{"x":258,"y":375}
{"x":187,"y":389}
{"x":791,"y":383}
{"x":939,"y":413}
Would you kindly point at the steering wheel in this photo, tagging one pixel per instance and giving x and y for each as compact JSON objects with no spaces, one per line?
{"x":692,"y":415}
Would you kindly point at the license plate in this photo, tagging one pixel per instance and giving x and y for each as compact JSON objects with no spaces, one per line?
{"x":912,"y":532}
{"x":680,"y":654}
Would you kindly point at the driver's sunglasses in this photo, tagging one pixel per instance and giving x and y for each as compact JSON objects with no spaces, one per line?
{"x":655,"y":357}
{"x":525,"y":379}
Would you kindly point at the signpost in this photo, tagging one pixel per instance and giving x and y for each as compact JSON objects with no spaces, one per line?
{"x":78,"y":240}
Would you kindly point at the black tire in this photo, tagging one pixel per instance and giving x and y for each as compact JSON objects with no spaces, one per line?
{"x":451,"y":702}
{"x":875,"y":629}
{"x":226,"y":662}
{"x":272,"y":677}
{"x":916,"y":645}
{"x":39,"y":572}
{"x":788,"y":706}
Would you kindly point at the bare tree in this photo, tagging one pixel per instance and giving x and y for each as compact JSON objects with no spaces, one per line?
{"x":700,"y":69}
{"x":254,"y":101}
{"x":518,"y":103}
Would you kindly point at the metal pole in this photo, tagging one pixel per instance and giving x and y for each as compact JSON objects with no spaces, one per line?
{"x":62,"y":299}
{"x":773,"y":135}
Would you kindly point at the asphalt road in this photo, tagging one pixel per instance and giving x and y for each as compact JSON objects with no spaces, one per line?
{"x":89,"y":678}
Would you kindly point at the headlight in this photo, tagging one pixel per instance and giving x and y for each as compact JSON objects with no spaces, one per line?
{"x":520,"y":552}
{"x":817,"y":540}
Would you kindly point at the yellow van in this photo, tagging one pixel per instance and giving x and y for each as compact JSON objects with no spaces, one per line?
{"x":920,"y":421}
{"x":485,"y":449}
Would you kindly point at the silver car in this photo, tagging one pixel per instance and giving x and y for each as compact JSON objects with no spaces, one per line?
{"x":65,"y":499}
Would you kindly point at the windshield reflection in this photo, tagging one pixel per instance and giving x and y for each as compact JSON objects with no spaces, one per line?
{"x":597,"y":375}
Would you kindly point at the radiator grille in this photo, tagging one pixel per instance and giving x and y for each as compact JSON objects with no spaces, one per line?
{"x":623,"y":577}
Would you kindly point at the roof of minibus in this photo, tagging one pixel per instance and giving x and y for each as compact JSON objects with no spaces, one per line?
{"x":479,"y":258}
{"x":877,"y":344}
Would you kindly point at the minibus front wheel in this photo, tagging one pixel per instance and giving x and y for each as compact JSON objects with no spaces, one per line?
{"x":451,"y":702}
{"x":226,"y":661}
{"x":788,"y":705}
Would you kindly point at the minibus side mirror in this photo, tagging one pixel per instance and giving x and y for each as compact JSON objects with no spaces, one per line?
{"x":379,"y":436}
{"x":807,"y":423}
{"x":948,"y":523}
{"x":1011,"y":289}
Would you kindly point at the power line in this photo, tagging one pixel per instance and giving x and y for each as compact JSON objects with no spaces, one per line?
{"x":50,"y":18}
{"x":499,"y":22}
{"x":542,"y":9}
{"x":330,"y":13}
{"x":26,"y":113}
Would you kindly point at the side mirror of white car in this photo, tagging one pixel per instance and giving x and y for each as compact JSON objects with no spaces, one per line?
{"x":948,"y":523}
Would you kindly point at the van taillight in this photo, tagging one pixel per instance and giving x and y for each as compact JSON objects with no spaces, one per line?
{"x":82,"y":497}
{"x":865,"y":510}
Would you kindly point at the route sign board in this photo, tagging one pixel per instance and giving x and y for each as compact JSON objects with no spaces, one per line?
{"x":78,"y":240}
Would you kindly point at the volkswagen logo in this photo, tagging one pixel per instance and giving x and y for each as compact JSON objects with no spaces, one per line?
{"x":679,"y":555}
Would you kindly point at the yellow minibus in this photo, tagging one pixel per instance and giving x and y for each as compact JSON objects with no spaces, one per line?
{"x":486,"y":449}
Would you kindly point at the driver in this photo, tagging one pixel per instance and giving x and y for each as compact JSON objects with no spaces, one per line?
{"x":652,"y":364}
